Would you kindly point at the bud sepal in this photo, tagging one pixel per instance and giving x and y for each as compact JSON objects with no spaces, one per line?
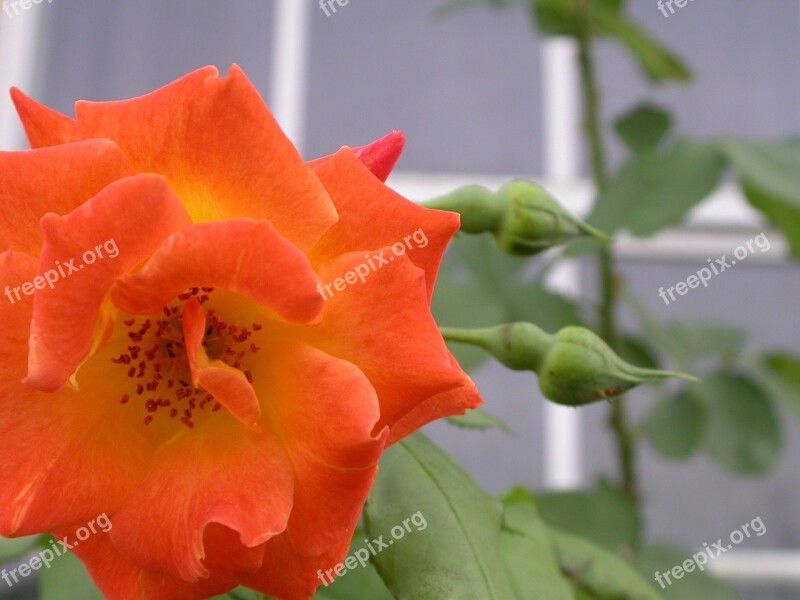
{"x":574,"y":366}
{"x":523,"y":218}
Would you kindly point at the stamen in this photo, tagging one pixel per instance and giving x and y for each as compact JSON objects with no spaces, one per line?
{"x":164,"y":359}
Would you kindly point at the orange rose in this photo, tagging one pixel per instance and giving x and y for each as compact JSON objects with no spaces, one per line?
{"x":207,"y":339}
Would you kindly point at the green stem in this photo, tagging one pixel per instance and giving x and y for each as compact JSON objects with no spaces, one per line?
{"x":623,"y":433}
{"x":463,"y":336}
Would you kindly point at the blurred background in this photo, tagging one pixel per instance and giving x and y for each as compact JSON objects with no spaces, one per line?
{"x":482,"y":99}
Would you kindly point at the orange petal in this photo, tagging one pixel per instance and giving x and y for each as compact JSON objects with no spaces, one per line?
{"x":229,"y":386}
{"x":136,"y":214}
{"x":384,"y":326}
{"x":120,"y":579}
{"x":288,"y":575}
{"x":85,"y":461}
{"x":447,"y":404}
{"x":220,"y":474}
{"x":379,"y":157}
{"x":15,"y":315}
{"x":325,"y":411}
{"x":57,"y":180}
{"x":373,"y":216}
{"x":43,"y":126}
{"x":242,"y":255}
{"x":222,"y":151}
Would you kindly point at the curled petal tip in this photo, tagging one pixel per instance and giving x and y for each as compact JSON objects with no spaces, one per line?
{"x":382,"y":155}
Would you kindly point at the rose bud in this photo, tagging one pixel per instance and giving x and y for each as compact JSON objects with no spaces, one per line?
{"x":574,"y":366}
{"x":523,"y":218}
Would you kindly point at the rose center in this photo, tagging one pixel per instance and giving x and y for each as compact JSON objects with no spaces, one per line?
{"x":158,"y":369}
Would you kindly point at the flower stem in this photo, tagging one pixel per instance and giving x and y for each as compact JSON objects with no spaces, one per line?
{"x":625,"y":439}
{"x":462,"y":336}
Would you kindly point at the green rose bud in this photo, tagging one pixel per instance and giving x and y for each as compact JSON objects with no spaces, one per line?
{"x":574,"y":366}
{"x":580,"y":368}
{"x":522,"y":217}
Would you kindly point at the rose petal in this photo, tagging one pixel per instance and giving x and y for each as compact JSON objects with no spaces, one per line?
{"x":137,"y":213}
{"x":229,"y":386}
{"x":219,"y":473}
{"x":289,"y":575}
{"x":15,"y":268}
{"x":325,"y":412}
{"x":120,"y":579}
{"x":57,"y":180}
{"x":379,"y":157}
{"x":241,"y":255}
{"x":43,"y":126}
{"x":68,"y":457}
{"x":447,"y":404}
{"x":373,"y":216}
{"x":222,"y":151}
{"x":385,"y":328}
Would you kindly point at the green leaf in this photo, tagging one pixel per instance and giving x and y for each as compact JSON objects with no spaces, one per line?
{"x":241,"y":594}
{"x":12,"y":548}
{"x":598,"y":571}
{"x":657,"y":62}
{"x":644,"y":127}
{"x":604,"y":516}
{"x":656,"y":189}
{"x":554,"y":17}
{"x":471,"y":290}
{"x":363,"y":582}
{"x":638,"y":352}
{"x":528,"y":552}
{"x":780,"y":375}
{"x":534,"y":303}
{"x":744,"y":433}
{"x":675,"y":426}
{"x":457,"y":556}
{"x":693,"y":340}
{"x":557,"y":17}
{"x":479,"y":420}
{"x":771,"y":166}
{"x":479,"y":286}
{"x":606,"y":18}
{"x":688,"y":341}
{"x":466,"y":304}
{"x":480,"y":254}
{"x":781,"y":213}
{"x":584,"y":595}
{"x":67,"y":573}
{"x":770,"y":177}
{"x":695,"y":585}
{"x":531,"y":576}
